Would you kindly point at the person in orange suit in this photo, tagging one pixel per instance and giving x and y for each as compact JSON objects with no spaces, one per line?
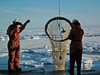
{"x":13,"y":32}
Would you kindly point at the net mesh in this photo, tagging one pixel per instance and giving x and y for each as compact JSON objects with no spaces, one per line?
{"x":58,"y":29}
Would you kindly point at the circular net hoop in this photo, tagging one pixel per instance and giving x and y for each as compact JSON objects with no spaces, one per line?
{"x":58,"y":28}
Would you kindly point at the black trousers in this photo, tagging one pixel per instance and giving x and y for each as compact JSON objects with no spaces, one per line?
{"x":75,"y":56}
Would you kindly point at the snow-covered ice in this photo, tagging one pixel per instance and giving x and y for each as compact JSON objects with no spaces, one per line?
{"x":36,"y":51}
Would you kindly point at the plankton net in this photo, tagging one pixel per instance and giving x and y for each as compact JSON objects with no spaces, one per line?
{"x":57,"y":30}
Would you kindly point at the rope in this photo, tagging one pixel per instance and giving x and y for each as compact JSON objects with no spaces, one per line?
{"x":59,"y":7}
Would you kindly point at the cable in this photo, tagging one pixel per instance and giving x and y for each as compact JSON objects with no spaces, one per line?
{"x":59,"y":7}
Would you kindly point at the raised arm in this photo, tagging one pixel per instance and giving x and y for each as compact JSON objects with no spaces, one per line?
{"x":24,"y":25}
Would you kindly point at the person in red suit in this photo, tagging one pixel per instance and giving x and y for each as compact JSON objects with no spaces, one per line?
{"x":75,"y":36}
{"x":13,"y":32}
